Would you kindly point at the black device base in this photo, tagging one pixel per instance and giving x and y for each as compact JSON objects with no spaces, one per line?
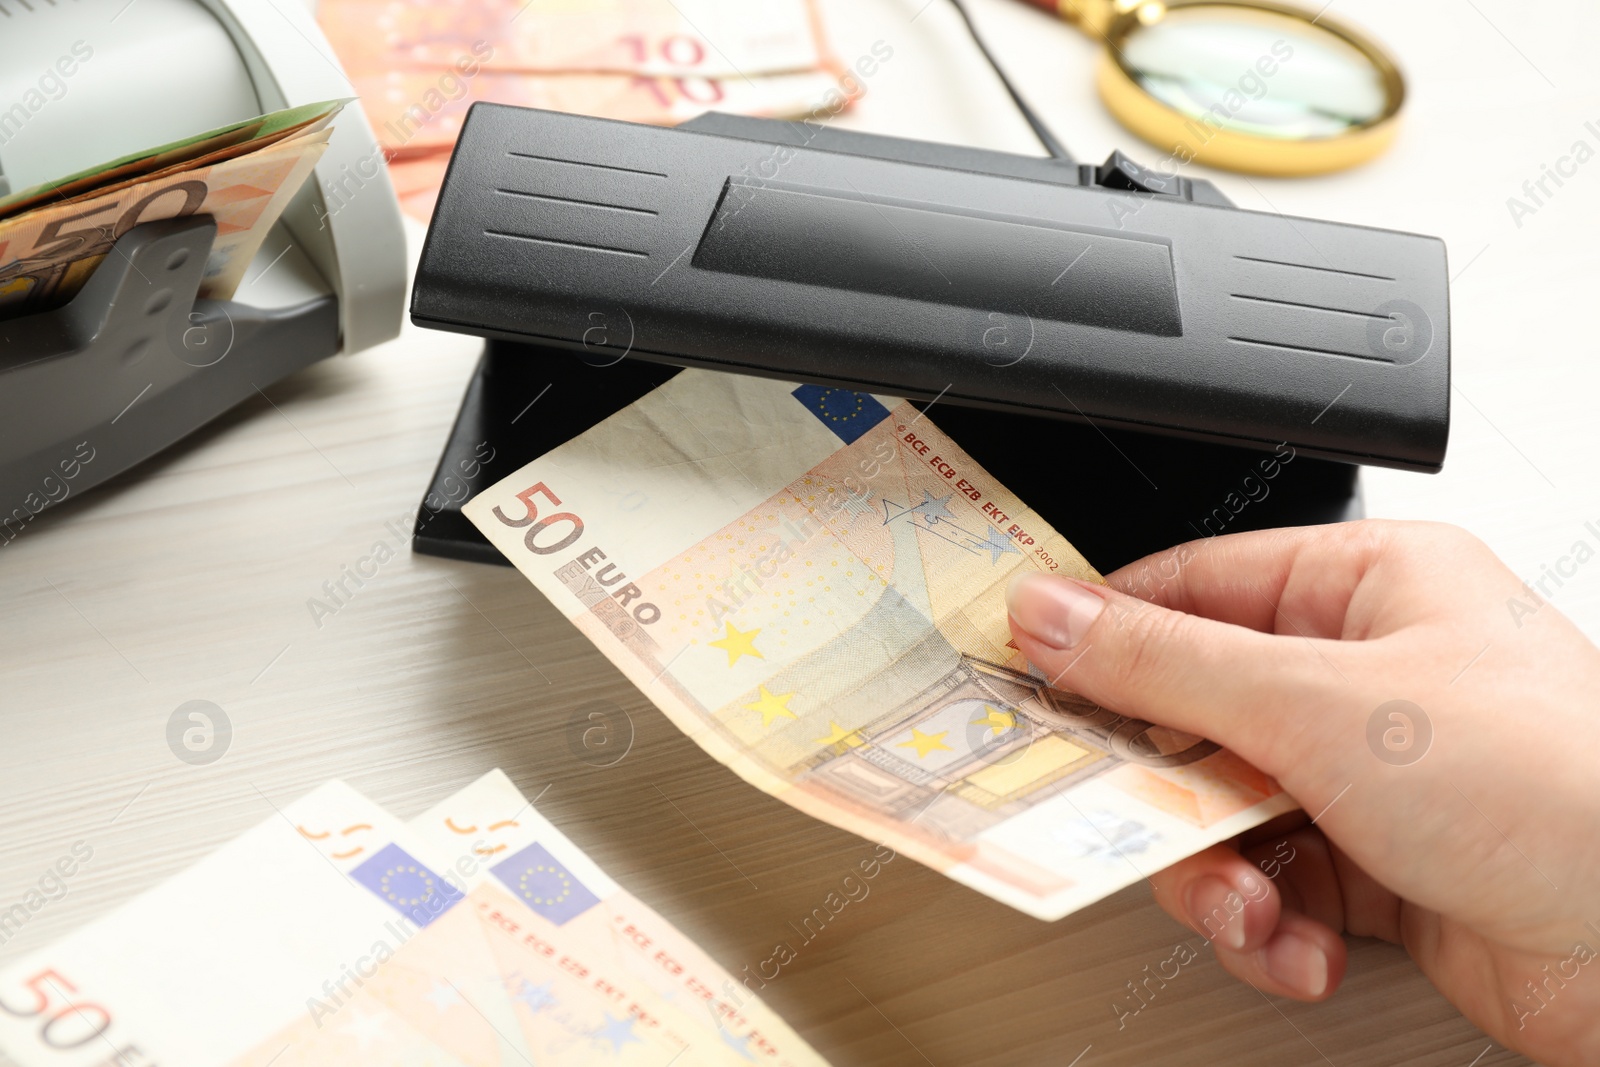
{"x":1114,"y":494}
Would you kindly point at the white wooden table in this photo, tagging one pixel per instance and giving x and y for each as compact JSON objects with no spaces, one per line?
{"x":189,"y":578}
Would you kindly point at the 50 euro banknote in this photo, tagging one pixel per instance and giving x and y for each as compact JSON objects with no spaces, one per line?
{"x":198,"y":969}
{"x":49,"y":252}
{"x":530,"y":954}
{"x":569,"y":938}
{"x":477,"y":935}
{"x":810,"y":583}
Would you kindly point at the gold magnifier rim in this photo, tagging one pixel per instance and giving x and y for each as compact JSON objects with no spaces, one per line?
{"x":1189,"y":140}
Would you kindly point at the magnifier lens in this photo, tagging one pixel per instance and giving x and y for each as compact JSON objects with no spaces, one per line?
{"x":1254,"y":71}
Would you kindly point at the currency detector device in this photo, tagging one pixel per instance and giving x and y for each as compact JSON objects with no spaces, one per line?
{"x":134,"y":361}
{"x":1123,"y":347}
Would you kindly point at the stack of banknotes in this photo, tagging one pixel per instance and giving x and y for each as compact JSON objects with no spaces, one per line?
{"x":334,"y":934}
{"x":418,"y":65}
{"x":810,"y":583}
{"x":243,"y":175}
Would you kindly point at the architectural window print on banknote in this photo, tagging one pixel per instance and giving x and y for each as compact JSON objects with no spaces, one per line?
{"x":814,"y":591}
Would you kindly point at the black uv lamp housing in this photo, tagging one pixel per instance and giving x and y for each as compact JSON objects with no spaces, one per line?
{"x":1115,"y":295}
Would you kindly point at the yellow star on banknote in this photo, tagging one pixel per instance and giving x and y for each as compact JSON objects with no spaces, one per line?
{"x":926,"y":743}
{"x":772,"y":707}
{"x":839,"y":733}
{"x":997,"y":720}
{"x":738,"y":643}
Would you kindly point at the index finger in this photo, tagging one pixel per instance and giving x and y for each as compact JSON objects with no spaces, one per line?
{"x":1295,"y":581}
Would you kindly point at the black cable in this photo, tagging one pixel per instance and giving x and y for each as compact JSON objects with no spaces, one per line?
{"x":1055,"y":148}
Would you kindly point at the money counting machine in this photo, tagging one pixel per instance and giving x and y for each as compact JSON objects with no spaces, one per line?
{"x":134,"y":362}
{"x":1140,"y":361}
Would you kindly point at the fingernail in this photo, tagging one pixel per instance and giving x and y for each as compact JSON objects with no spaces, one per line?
{"x":1297,"y":963}
{"x":1055,"y":611}
{"x":1217,"y":911}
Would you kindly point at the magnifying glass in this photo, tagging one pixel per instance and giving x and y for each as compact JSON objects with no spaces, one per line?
{"x":1247,"y":85}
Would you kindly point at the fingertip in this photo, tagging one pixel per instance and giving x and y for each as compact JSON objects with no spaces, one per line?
{"x":1054,"y":611}
{"x":1221,"y":896}
{"x":1302,"y":959}
{"x":1232,"y":907}
{"x":1264,"y":904}
{"x":1208,"y":903}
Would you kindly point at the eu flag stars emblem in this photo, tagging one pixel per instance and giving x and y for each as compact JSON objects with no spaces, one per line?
{"x":540,"y":881}
{"x":406,"y":885}
{"x":847,"y":414}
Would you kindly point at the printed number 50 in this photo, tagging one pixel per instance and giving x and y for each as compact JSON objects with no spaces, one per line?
{"x":58,"y":1031}
{"x":536,"y":525}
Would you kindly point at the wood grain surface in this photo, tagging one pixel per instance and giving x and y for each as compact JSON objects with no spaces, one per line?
{"x":189,"y":578}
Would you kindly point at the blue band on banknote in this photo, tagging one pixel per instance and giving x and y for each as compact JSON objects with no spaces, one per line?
{"x":847,"y":414}
{"x":547,"y":887}
{"x":406,"y":884}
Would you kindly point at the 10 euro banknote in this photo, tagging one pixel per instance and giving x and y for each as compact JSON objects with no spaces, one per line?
{"x":810,"y":583}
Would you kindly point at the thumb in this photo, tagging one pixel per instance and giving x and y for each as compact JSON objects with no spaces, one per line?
{"x":1236,"y":686}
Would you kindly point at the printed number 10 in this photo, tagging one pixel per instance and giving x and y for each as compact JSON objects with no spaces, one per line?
{"x":678,"y":49}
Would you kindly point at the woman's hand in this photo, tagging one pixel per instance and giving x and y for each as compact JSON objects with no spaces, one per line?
{"x":1464,"y":825}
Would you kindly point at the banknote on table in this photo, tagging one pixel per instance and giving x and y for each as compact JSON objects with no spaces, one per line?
{"x":475,"y":936}
{"x":565,"y":908}
{"x":810,"y":583}
{"x":659,"y":37}
{"x":411,"y":115}
{"x":281,"y":924}
{"x":48,"y":252}
{"x":418,"y":67}
{"x":577,"y":970}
